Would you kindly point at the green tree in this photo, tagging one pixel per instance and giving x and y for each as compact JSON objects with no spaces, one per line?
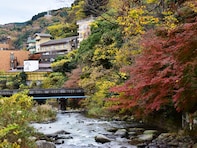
{"x":65,"y":63}
{"x":54,"y":80}
{"x":62,"y":30}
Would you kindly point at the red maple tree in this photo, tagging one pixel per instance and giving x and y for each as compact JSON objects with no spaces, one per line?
{"x":164,"y":74}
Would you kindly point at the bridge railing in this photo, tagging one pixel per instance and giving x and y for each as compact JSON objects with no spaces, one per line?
{"x":46,"y":92}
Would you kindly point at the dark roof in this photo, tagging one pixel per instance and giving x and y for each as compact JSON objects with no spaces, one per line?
{"x":54,"y":42}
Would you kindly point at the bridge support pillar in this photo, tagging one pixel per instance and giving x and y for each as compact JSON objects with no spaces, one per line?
{"x":41,"y":101}
{"x":62,"y":103}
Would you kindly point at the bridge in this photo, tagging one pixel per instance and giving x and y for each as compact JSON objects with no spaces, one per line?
{"x":41,"y":95}
{"x":47,"y":93}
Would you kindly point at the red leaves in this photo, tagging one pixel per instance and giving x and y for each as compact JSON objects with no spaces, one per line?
{"x":161,"y":75}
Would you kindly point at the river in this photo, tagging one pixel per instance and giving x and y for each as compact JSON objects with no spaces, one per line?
{"x":82,"y":131}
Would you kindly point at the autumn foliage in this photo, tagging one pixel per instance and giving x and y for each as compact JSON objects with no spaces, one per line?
{"x":164,"y":74}
{"x":73,"y":80}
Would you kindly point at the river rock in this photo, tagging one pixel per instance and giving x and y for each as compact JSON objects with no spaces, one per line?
{"x":150,"y":132}
{"x":55,"y":134}
{"x":145,"y":137}
{"x":164,"y":135}
{"x":45,"y":144}
{"x":121,"y":132}
{"x":112,"y":129}
{"x":172,"y":140}
{"x":137,"y":129}
{"x":32,"y":138}
{"x":132,"y":133}
{"x":61,"y":132}
{"x":64,"y":137}
{"x":102,"y":139}
{"x":59,"y":141}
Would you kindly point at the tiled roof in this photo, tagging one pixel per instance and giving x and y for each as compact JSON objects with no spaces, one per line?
{"x":54,"y":42}
{"x":5,"y":46}
{"x":5,"y":58}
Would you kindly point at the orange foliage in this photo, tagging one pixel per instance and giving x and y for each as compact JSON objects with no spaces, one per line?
{"x":74,"y":77}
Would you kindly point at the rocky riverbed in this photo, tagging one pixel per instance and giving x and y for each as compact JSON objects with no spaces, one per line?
{"x":73,"y":130}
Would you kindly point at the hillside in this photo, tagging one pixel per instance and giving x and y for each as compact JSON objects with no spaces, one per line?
{"x":19,"y":32}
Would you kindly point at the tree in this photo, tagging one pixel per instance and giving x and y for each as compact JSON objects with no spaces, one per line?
{"x":73,"y":78}
{"x":77,"y":12}
{"x":95,"y":7}
{"x":65,"y":63}
{"x":54,"y":80}
{"x":164,"y":74}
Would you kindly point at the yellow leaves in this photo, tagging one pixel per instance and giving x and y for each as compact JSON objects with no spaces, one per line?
{"x":94,"y":24}
{"x":135,"y":21}
{"x":123,"y":75}
{"x":131,"y":48}
{"x":6,"y":144}
{"x":56,"y":30}
{"x":104,"y":85}
{"x":192,"y":5}
{"x":1,"y":101}
{"x":169,"y":21}
{"x":78,"y":10}
{"x":16,"y":132}
{"x":22,"y":99}
{"x":59,"y":63}
{"x":151,"y":1}
{"x":18,"y":99}
{"x":115,"y":4}
{"x":68,"y":57}
{"x":4,"y":131}
{"x":104,"y":52}
{"x":85,"y":68}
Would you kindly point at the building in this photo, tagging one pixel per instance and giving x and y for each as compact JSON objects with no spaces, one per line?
{"x":84,"y":29}
{"x":31,"y":45}
{"x":53,"y":48}
{"x":12,"y":59}
{"x":46,"y":50}
{"x":41,"y":38}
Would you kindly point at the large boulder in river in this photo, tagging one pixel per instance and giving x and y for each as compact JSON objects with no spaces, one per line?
{"x":101,"y":139}
{"x":45,"y":144}
{"x":121,"y":133}
{"x":145,"y":137}
{"x":55,"y":134}
{"x":61,"y":132}
{"x":148,"y":135}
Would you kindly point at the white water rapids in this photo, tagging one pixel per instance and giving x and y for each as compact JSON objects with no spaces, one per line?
{"x":83,"y":131}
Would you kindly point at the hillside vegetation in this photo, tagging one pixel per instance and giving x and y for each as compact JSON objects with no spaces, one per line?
{"x":139,"y":60}
{"x":61,"y":23}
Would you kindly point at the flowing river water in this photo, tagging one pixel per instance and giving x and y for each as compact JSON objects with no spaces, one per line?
{"x":82,"y":131}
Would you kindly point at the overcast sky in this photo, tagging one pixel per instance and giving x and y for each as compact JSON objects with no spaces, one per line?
{"x":23,"y":10}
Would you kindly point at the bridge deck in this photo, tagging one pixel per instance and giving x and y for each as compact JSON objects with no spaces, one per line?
{"x":59,"y":97}
{"x":48,"y":93}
